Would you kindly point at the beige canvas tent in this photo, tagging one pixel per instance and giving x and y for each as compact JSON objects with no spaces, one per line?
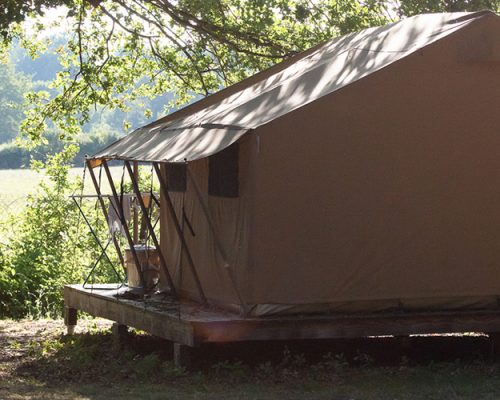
{"x":360,"y":175}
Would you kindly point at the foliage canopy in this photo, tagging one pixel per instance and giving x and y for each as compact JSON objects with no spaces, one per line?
{"x":123,"y":50}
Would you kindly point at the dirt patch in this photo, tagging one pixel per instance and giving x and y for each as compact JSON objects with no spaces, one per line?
{"x":17,"y":338}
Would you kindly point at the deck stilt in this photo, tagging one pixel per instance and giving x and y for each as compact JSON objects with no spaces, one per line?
{"x":494,"y":345}
{"x":120,"y":333}
{"x":70,"y":319}
{"x":182,"y":355}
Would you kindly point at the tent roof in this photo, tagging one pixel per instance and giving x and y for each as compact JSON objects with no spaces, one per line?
{"x":211,"y":124}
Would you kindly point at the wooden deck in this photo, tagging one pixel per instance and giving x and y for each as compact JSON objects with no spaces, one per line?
{"x":190,"y":324}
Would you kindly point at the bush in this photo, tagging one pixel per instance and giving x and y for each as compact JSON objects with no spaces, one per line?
{"x":48,"y":248}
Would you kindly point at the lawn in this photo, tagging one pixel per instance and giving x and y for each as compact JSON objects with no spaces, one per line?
{"x":16,"y":184}
{"x":37,"y":361}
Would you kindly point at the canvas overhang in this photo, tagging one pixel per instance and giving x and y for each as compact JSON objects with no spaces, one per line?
{"x":214,"y":123}
{"x":173,"y":145}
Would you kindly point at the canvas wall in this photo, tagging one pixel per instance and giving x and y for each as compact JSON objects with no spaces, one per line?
{"x":386,"y":193}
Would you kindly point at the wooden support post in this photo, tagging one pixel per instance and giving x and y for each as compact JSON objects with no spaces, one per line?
{"x":136,"y":214}
{"x":180,"y":233}
{"x":104,"y":210}
{"x":494,"y":345}
{"x":404,"y":342}
{"x":70,"y":319}
{"x":124,"y":224}
{"x":119,"y":333}
{"x":182,"y":355}
{"x":163,"y":263}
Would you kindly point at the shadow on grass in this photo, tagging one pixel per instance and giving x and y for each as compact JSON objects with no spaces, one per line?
{"x":90,"y":366}
{"x":93,"y":357}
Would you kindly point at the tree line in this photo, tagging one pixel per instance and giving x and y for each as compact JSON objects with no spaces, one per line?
{"x":20,"y":75}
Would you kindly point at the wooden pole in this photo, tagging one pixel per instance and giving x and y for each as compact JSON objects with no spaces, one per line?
{"x":135,"y":213}
{"x":70,"y":319}
{"x":180,"y":233}
{"x":104,"y":210}
{"x":121,"y":215}
{"x":152,"y":233}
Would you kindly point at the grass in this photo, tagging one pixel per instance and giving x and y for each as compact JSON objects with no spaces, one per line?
{"x":38,"y":361}
{"x":17,"y":184}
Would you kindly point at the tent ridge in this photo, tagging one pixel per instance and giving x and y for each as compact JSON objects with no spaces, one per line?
{"x":208,"y":126}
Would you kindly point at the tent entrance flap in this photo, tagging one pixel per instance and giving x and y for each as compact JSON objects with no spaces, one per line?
{"x":180,"y":233}
{"x":218,"y":243}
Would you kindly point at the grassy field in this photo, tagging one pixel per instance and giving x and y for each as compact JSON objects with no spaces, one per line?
{"x":16,"y":184}
{"x":37,"y":361}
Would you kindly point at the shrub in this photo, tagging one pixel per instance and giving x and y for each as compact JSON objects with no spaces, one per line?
{"x":47,"y":248}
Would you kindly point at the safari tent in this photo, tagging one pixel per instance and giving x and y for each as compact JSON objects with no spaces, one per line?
{"x":362,"y":175}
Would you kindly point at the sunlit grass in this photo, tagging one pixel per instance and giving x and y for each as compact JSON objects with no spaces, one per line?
{"x":17,"y":184}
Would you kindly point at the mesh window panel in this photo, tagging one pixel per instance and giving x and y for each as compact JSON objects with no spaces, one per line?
{"x":223,"y":172}
{"x":176,"y":177}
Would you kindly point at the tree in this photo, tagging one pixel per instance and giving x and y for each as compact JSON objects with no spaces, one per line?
{"x":121,"y":50}
{"x":412,"y":7}
{"x":12,"y":88}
